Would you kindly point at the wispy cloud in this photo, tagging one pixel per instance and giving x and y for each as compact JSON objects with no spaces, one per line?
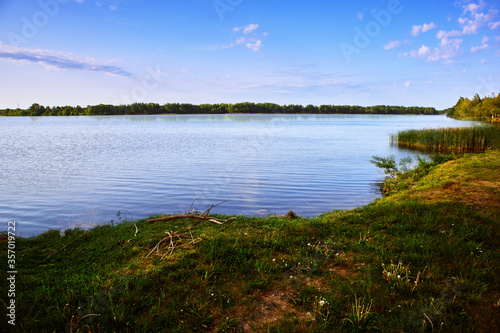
{"x":104,"y":4}
{"x":447,"y":34}
{"x":494,"y":25}
{"x":252,"y":42}
{"x":247,"y":29}
{"x":484,"y":45}
{"x":448,"y":49}
{"x":473,"y":7}
{"x":58,"y":60}
{"x":422,"y":52}
{"x":478,"y":48}
{"x":392,"y":44}
{"x":254,"y":45}
{"x":417,"y":29}
{"x":474,"y":17}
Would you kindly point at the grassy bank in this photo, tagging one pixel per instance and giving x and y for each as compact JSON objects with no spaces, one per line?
{"x":457,"y":139}
{"x":422,"y":259}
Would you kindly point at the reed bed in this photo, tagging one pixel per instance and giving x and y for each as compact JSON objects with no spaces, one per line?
{"x":456,"y":139}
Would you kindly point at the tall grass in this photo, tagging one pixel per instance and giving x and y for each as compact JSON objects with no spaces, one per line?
{"x":459,"y":139}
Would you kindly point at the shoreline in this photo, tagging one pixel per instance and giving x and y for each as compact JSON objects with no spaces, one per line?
{"x":284,"y":273}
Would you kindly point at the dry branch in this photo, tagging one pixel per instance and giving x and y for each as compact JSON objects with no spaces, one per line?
{"x":202,"y":217}
{"x":190,"y":216}
{"x":136,"y":231}
{"x":175,"y":241}
{"x":205,"y":213}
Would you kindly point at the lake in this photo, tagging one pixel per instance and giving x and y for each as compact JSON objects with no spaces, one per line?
{"x":67,"y":172}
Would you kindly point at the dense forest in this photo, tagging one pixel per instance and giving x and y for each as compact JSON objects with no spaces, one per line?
{"x":177,"y":108}
{"x":477,"y":107}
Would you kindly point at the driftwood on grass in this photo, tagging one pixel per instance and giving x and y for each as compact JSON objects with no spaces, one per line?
{"x":176,"y":240}
{"x":202,"y":217}
{"x":190,"y":216}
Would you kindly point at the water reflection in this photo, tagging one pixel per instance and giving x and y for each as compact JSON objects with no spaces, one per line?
{"x":242,"y":117}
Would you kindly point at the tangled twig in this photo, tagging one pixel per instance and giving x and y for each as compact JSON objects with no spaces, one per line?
{"x":174,"y":240}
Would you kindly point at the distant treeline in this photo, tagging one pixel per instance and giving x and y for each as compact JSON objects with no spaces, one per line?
{"x":177,"y":108}
{"x":477,"y":107}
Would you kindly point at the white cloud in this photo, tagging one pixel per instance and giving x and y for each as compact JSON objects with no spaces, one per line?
{"x":478,"y":48}
{"x":360,"y":15}
{"x":240,"y":41}
{"x":57,"y":60}
{"x":113,"y":7}
{"x":477,"y":20}
{"x":424,"y":51}
{"x":474,"y":18}
{"x":247,"y":29}
{"x":252,"y":43}
{"x":256,"y":46}
{"x":417,"y":29}
{"x":494,"y":25}
{"x":407,"y":83}
{"x":428,"y":27}
{"x":483,"y":46}
{"x":448,"y":49}
{"x":392,"y":44}
{"x":446,"y":34}
{"x":471,"y":22}
{"x":471,"y":8}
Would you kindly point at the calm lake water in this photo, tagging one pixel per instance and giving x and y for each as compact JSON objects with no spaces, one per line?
{"x":66,"y":172}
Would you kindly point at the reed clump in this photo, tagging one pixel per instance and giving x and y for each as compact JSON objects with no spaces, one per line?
{"x":457,"y":139}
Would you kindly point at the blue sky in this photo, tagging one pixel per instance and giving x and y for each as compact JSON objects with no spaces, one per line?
{"x":366,"y":52}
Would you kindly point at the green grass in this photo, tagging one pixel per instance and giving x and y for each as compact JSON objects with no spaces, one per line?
{"x":457,"y":139}
{"x":282,"y":274}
